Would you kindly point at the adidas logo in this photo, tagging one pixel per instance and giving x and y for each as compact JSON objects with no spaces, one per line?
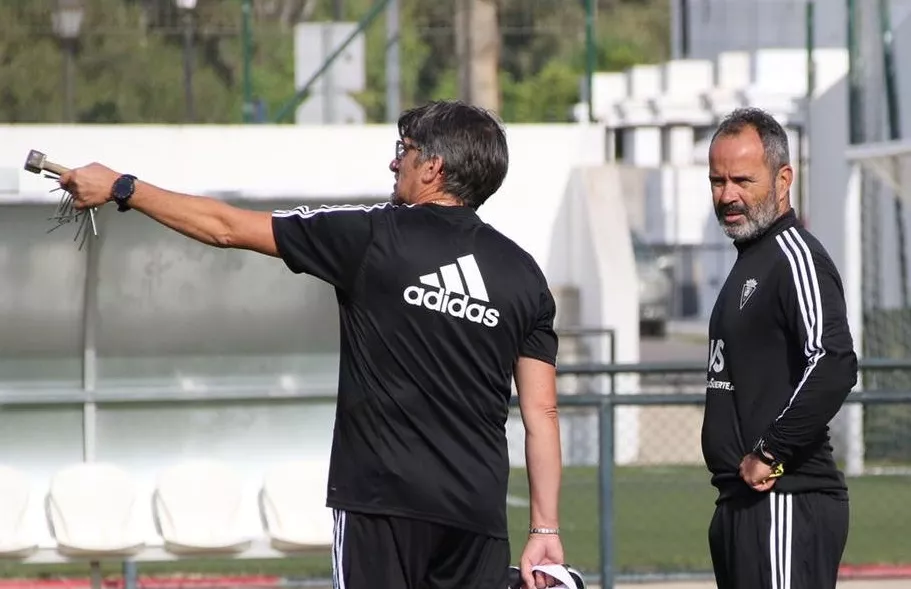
{"x":461,"y":284}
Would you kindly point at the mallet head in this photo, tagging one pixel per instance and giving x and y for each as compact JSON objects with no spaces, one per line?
{"x":34,"y":163}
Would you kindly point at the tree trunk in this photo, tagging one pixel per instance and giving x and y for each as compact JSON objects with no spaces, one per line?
{"x":478,"y":50}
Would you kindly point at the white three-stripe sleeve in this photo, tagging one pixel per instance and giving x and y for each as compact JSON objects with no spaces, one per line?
{"x":815,"y":319}
{"x":328,"y":242}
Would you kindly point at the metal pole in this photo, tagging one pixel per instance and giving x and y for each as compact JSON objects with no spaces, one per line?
{"x":811,"y":46}
{"x":393,"y":62}
{"x":894,"y":121}
{"x":606,"y":489}
{"x":855,"y":124}
{"x":90,"y":350}
{"x":95,"y":568}
{"x":69,"y":92}
{"x":804,"y":192}
{"x":130,"y":573}
{"x":685,"y":28}
{"x":247,"y":41}
{"x":338,"y":10}
{"x":590,"y":56}
{"x":188,"y":66}
{"x":464,"y":44}
{"x":888,"y":48}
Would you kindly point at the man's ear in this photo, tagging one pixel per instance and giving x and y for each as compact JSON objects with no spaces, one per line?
{"x":430,"y":169}
{"x":783,"y":181}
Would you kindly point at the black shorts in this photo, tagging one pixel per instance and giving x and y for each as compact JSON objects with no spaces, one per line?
{"x":399,"y":553}
{"x":779,"y":541}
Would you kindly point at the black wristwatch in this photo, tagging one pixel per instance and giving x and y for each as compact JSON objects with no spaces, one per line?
{"x":759,"y":451}
{"x":122,"y":191}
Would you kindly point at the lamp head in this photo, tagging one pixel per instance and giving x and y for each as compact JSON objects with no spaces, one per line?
{"x":67,"y":19}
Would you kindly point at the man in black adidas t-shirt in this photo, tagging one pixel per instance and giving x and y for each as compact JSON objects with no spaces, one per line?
{"x":439,"y":313}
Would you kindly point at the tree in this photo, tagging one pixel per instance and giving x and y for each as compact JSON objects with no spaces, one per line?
{"x":129,"y":65}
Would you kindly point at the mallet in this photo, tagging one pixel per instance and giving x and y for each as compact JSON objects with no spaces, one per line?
{"x":37,"y":163}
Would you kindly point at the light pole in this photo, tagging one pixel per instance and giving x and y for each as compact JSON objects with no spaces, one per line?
{"x":67,"y":23}
{"x":186,"y":8}
{"x":247,"y":44}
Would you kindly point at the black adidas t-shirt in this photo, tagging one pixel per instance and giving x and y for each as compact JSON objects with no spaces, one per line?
{"x":435,"y":307}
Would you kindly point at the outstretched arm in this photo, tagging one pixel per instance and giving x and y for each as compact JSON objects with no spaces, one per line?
{"x":204,"y":219}
{"x":328,"y":243}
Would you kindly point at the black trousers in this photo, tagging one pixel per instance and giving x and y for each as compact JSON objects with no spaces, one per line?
{"x":779,"y":541}
{"x":380,"y":552}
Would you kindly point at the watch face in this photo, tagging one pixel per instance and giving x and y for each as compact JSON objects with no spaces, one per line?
{"x":123,"y":187}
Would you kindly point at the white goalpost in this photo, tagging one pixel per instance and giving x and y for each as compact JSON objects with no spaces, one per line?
{"x":889,"y":161}
{"x":876,"y":273}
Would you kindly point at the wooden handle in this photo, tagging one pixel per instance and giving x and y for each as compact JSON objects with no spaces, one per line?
{"x":55,"y":168}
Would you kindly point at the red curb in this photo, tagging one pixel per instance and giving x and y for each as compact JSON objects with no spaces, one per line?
{"x":871,"y":571}
{"x":874,"y":571}
{"x":144,"y":582}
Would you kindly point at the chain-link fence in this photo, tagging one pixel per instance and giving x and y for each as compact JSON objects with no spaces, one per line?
{"x":657,"y":487}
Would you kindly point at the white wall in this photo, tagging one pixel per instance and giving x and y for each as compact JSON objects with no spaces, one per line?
{"x":299,"y":163}
{"x":594,"y":252}
{"x":191,"y":319}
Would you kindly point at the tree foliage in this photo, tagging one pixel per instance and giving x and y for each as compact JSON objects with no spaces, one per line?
{"x":129,"y":64}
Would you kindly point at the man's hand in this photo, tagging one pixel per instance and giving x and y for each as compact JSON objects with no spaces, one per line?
{"x":90,"y":186}
{"x":540,"y":549}
{"x":756,"y":473}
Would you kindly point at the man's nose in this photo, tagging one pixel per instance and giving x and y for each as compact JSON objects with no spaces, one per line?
{"x":729,"y":193}
{"x":394,"y":165}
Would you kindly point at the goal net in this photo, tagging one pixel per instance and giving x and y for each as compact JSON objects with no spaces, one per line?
{"x":881,"y":220}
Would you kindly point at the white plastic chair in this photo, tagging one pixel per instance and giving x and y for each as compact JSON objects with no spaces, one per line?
{"x":293,"y":506}
{"x":197,"y":508}
{"x":15,"y":498}
{"x":91,"y":511}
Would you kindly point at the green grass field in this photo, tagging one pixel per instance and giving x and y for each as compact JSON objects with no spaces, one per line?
{"x":662,"y":516}
{"x":661,"y":521}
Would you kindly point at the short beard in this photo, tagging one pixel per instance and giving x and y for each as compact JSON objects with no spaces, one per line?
{"x":757,"y":219}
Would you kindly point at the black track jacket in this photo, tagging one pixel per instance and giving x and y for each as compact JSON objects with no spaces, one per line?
{"x":781,"y":362}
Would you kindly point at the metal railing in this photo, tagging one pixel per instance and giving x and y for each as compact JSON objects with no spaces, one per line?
{"x":680,"y":393}
{"x":662,"y":393}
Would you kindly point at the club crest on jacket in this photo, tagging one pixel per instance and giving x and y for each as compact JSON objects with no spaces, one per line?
{"x":749,"y":287}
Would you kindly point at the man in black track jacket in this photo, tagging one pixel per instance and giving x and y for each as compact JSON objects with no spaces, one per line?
{"x":781,"y":363}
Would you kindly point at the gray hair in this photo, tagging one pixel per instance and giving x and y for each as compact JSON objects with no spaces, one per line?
{"x":773,"y":136}
{"x":470,"y":140}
